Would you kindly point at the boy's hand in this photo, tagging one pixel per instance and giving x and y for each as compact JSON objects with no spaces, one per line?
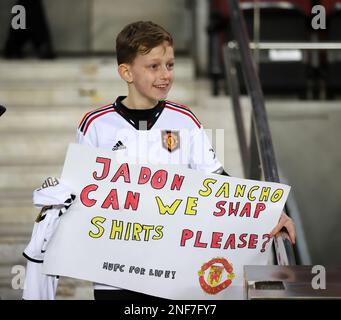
{"x":289,"y":224}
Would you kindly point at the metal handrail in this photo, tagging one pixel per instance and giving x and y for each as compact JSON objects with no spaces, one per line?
{"x":290,"y":45}
{"x":283,"y":246}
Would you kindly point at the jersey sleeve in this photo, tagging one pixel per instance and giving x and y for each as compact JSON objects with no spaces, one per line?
{"x":88,"y":138}
{"x":203,"y":157}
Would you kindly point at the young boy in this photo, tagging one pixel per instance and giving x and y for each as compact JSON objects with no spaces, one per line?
{"x":145,"y":59}
{"x":143,"y":122}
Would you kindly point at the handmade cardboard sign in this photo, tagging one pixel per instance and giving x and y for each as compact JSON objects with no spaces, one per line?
{"x":163,"y":230}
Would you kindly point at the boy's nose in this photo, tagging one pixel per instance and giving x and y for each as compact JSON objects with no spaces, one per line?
{"x":165,"y":73}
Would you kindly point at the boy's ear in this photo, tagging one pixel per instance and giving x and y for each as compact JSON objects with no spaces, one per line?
{"x":125,"y":73}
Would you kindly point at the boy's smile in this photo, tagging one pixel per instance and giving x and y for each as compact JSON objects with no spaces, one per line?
{"x":149,"y":77}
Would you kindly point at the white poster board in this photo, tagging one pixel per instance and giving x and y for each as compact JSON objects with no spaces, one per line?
{"x":160,"y":229}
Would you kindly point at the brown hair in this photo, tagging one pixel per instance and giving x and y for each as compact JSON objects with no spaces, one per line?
{"x":139,"y":37}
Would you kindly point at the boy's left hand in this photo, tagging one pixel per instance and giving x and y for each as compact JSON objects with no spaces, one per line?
{"x":288,"y":223}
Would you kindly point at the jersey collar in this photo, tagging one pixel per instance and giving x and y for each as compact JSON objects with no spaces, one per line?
{"x":139,"y":119}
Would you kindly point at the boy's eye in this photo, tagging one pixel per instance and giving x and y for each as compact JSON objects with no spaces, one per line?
{"x":170,"y":66}
{"x":153,"y":66}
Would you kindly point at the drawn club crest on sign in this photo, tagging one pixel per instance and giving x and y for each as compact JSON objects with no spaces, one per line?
{"x":170,"y":140}
{"x":215,"y":275}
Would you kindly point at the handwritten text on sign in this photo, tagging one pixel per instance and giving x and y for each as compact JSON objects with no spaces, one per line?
{"x":140,"y":221}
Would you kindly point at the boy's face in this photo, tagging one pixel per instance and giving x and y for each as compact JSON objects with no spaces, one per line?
{"x":152,"y":75}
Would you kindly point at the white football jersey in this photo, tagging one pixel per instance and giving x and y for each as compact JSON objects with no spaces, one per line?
{"x":169,"y":133}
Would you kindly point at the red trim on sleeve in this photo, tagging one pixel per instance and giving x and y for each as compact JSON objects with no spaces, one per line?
{"x":177,"y":104}
{"x":88,"y":113}
{"x":94,"y":117}
{"x":185,"y":113}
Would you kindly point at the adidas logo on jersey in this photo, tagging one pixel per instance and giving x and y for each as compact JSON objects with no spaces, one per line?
{"x":118,"y":146}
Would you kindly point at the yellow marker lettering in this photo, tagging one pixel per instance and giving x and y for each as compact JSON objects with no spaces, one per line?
{"x":191,"y":202}
{"x":264,"y":196}
{"x":277,"y":195}
{"x":224,"y":188}
{"x":159,"y":231}
{"x":249,"y":195}
{"x":95,"y":221}
{"x":147,"y":229}
{"x":116,"y":228}
{"x":137,"y":230}
{"x":208,"y":189}
{"x":127,"y":233}
{"x":240,"y":190}
{"x":167,"y":209}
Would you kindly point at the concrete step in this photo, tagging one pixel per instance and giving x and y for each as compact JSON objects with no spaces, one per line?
{"x":68,"y":288}
{"x":34,"y":148}
{"x":76,"y":69}
{"x":74,"y":289}
{"x":58,"y":93}
{"x":45,"y":118}
{"x":7,"y":292}
{"x":12,"y":252}
{"x":17,"y":210}
{"x":14,"y":238}
{"x":70,"y":92}
{"x":25,"y":177}
{"x":15,"y":232}
{"x":14,"y":212}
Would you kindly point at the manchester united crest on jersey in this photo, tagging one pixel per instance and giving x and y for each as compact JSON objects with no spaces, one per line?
{"x":170,"y":140}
